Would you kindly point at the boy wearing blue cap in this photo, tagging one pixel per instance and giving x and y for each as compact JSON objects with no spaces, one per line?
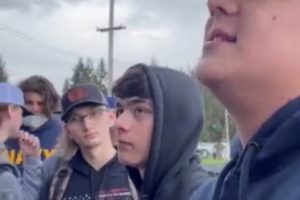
{"x":11,"y":110}
{"x":41,"y":98}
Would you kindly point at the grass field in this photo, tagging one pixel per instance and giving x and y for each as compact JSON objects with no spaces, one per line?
{"x":210,"y":162}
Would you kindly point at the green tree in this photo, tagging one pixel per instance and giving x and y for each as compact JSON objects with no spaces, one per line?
{"x":214,"y":125}
{"x":66,"y":85}
{"x":88,"y":72}
{"x":78,"y":72}
{"x":3,"y":72}
{"x":85,"y":72}
{"x":100,"y":78}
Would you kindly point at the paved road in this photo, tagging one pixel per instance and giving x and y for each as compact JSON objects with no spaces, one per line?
{"x":214,"y":168}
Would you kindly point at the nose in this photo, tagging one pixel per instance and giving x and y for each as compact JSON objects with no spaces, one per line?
{"x":123,"y":122}
{"x":87,"y":124}
{"x":35,"y":108}
{"x":223,"y":7}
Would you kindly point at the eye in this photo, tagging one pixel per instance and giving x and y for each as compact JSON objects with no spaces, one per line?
{"x":140,"y":111}
{"x":119,"y":111}
{"x":94,"y":113}
{"x":73,"y":119}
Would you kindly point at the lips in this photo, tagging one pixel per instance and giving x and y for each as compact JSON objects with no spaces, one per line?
{"x":219,"y":35}
{"x":122,"y":142}
{"x":90,"y":135}
{"x":123,"y":145}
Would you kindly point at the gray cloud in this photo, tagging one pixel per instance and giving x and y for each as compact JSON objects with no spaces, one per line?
{"x":170,"y":11}
{"x":27,"y":5}
{"x":169,"y":30}
{"x":184,"y":20}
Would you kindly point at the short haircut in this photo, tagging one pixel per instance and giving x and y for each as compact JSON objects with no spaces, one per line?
{"x":134,"y":83}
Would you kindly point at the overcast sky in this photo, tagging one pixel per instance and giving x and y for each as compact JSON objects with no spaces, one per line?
{"x":47,"y":37}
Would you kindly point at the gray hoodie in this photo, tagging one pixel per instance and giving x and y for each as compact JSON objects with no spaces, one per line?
{"x":15,"y":187}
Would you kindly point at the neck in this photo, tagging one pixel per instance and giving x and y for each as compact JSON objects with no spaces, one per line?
{"x":3,"y":135}
{"x":98,"y":156}
{"x":250,"y":110}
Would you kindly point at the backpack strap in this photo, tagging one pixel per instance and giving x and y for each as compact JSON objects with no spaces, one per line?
{"x":5,"y":167}
{"x":60,"y":180}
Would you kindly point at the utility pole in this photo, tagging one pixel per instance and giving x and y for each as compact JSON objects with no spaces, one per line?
{"x":227,"y":134}
{"x":110,"y":29}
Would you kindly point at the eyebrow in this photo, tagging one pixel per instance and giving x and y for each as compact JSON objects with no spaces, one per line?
{"x":91,"y":109}
{"x":132,"y":101}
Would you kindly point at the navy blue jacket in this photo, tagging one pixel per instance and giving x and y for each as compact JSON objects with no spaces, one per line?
{"x":269,"y":166}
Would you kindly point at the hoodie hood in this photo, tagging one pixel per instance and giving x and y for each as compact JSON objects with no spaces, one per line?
{"x":272,"y":150}
{"x":178,"y":123}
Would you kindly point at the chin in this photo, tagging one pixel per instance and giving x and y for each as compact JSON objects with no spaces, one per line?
{"x":209,"y":74}
{"x":214,"y":73}
{"x":92,"y":144}
{"x":14,"y":135}
{"x":124,"y":160}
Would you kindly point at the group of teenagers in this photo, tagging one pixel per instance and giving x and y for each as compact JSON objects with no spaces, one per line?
{"x":143,"y":146}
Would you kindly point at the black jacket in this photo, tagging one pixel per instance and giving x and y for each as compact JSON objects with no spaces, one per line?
{"x":84,"y":182}
{"x":172,"y":171}
{"x":110,"y":181}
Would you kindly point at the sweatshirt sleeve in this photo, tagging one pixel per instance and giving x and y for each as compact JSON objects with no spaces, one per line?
{"x":32,"y":178}
{"x":10,"y":188}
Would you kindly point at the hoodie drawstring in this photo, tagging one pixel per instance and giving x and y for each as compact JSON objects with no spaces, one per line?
{"x":243,"y":163}
{"x":245,"y":169}
{"x":221,"y":179}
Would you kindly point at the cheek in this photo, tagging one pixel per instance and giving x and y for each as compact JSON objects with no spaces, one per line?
{"x":72,"y":132}
{"x":270,"y":30}
{"x":146,"y":136}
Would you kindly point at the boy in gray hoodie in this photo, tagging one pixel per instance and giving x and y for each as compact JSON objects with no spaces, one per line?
{"x":12,"y":187}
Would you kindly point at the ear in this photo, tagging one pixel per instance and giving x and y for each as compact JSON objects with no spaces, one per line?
{"x":112,"y":117}
{"x":10,"y":111}
{"x":66,"y":130}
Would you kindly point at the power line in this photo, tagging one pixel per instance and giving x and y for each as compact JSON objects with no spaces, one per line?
{"x":20,"y":35}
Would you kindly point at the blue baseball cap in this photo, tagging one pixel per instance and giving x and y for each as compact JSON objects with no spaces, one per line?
{"x":13,"y":95}
{"x":112,"y":102}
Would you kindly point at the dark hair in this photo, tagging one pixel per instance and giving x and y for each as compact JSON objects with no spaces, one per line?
{"x":134,"y":83}
{"x":45,"y":88}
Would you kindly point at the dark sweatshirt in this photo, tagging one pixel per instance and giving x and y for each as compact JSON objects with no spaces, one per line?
{"x":269,"y":165}
{"x":172,"y":171}
{"x":111,"y":182}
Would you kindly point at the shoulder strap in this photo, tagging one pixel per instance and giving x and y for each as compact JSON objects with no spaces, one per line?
{"x":8,"y":168}
{"x":60,"y":180}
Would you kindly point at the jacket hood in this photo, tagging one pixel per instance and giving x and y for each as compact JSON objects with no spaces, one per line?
{"x":178,"y":119}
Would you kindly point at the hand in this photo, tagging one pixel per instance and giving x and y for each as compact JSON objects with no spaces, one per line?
{"x":29,"y":145}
